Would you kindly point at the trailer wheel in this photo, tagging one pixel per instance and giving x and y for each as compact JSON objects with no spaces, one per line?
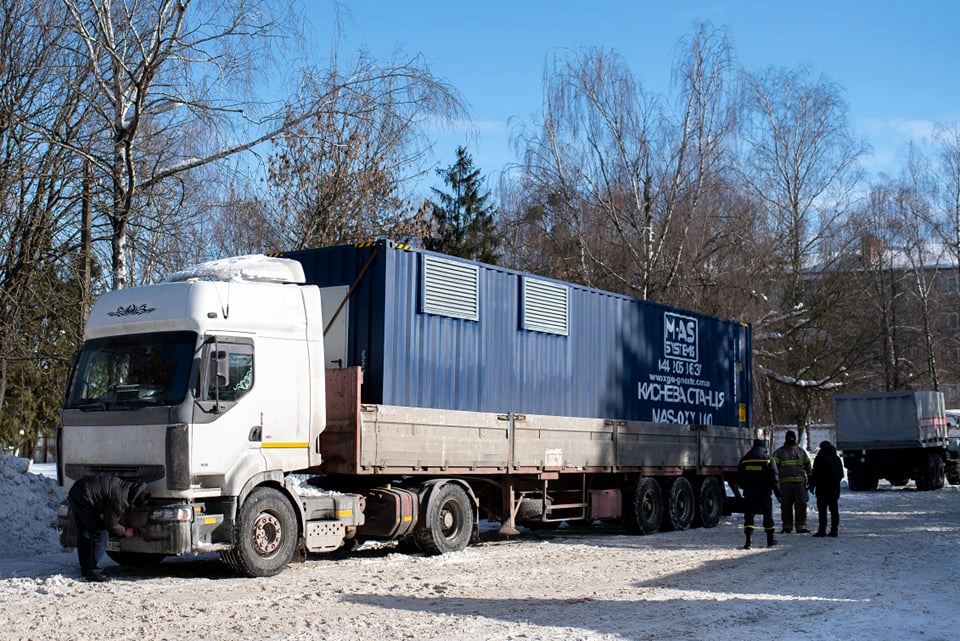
{"x":265,"y":536}
{"x":932,"y":472}
{"x":643,"y":511}
{"x":136,"y":559}
{"x":680,"y":506}
{"x":710,"y":497}
{"x":448,"y":525}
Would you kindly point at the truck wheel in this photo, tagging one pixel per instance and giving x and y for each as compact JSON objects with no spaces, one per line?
{"x":136,"y":559}
{"x":953,"y":474}
{"x":931,"y":474}
{"x":680,"y":505}
{"x":449,"y":521}
{"x":710,"y":497}
{"x":265,"y":535}
{"x":643,"y":509}
{"x":861,"y":481}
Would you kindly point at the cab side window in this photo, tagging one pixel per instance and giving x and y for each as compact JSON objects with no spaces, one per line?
{"x":229,"y":372}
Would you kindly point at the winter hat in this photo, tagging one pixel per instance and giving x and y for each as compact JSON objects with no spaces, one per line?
{"x":790,"y":438}
{"x":759,"y":442}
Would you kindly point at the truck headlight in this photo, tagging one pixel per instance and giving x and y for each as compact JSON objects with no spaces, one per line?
{"x":182,"y":513}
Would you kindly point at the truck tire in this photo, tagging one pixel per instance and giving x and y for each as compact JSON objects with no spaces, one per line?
{"x":643,"y":507}
{"x":680,"y":504}
{"x":136,"y":559}
{"x":448,"y":525}
{"x":953,"y":474}
{"x":932,"y":472}
{"x":861,"y":480}
{"x":265,"y":535}
{"x":710,"y":495}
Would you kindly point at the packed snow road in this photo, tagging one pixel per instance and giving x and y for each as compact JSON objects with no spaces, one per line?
{"x":892,"y":574}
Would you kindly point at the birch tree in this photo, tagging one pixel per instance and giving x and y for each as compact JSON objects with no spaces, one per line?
{"x":620,"y":175}
{"x":800,"y":162}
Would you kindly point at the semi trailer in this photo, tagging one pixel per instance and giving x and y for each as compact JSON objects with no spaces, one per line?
{"x":897,"y":436}
{"x":303,"y":402}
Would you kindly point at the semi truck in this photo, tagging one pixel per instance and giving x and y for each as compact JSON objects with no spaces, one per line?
{"x":897,"y":436}
{"x":304,"y":402}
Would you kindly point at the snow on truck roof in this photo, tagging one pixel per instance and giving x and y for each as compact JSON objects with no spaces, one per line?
{"x":251,"y":268}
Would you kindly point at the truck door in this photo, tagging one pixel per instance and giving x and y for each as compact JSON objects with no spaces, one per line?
{"x":227,"y":419}
{"x":335,"y":339}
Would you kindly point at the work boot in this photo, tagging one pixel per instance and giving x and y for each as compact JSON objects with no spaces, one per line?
{"x":786,"y":530}
{"x":746,"y":543}
{"x":96,"y":578}
{"x":819,"y":534}
{"x":833,"y":533}
{"x":802,"y":530}
{"x":770,"y":540}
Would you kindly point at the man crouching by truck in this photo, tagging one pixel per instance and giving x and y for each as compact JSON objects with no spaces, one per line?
{"x":757,"y":476}
{"x":99,"y":504}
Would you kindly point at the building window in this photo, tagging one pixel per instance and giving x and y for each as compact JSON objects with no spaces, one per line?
{"x":450,"y":288}
{"x":545,"y":307}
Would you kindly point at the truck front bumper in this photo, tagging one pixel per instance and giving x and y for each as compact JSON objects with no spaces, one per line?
{"x":172,"y":529}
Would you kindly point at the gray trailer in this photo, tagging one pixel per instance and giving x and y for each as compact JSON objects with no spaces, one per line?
{"x":897,"y":436}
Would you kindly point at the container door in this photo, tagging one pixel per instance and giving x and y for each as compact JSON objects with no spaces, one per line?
{"x":335,"y":338}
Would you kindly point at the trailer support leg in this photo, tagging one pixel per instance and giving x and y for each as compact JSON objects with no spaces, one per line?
{"x":509,"y":526}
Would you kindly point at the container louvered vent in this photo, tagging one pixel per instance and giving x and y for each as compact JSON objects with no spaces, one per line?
{"x":545,"y":307}
{"x":451,"y":288}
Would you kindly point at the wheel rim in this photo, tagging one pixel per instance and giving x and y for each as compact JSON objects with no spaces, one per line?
{"x":648,"y":506}
{"x":267,"y":534}
{"x":710,"y":504}
{"x":450,"y":519}
{"x":683,"y":505}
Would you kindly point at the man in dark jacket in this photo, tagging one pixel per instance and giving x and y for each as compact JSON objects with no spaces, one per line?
{"x":98,"y":504}
{"x":757,"y":476}
{"x":825,"y":483}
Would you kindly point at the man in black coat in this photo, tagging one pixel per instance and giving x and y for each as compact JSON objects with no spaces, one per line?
{"x":757,"y":476}
{"x":825,"y":483}
{"x":98,"y":504}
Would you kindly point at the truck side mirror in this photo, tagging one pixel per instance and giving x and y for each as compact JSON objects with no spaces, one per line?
{"x":223,"y":368}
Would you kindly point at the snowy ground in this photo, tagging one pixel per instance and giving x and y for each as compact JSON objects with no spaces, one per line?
{"x":892,"y":574}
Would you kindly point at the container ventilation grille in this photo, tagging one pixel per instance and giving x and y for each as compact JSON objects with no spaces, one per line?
{"x":451,"y":288}
{"x":545,"y":307}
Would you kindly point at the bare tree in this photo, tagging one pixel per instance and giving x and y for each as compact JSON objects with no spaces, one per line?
{"x":620,"y":176}
{"x":38,"y":208}
{"x":341,"y":176}
{"x":800,"y":162}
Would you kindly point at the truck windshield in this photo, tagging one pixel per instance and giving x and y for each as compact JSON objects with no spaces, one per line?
{"x":128,"y":372}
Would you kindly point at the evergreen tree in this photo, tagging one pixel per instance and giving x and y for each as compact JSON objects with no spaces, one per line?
{"x":463,"y":220}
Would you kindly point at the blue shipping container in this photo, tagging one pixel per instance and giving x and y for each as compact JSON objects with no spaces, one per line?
{"x":434,"y":331}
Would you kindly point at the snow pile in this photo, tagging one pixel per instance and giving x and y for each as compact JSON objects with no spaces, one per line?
{"x":28,"y":510}
{"x":300,"y":483}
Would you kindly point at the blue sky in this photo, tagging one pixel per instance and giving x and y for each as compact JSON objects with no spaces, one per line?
{"x":899,"y":62}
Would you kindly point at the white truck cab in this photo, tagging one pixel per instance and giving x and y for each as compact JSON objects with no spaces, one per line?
{"x":205,"y":386}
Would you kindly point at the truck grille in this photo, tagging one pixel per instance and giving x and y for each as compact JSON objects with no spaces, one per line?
{"x":144,"y":473}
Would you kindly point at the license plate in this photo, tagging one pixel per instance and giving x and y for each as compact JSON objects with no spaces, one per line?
{"x":113,"y":546}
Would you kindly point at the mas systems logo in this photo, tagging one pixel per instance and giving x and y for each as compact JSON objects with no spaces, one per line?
{"x":680,"y":337}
